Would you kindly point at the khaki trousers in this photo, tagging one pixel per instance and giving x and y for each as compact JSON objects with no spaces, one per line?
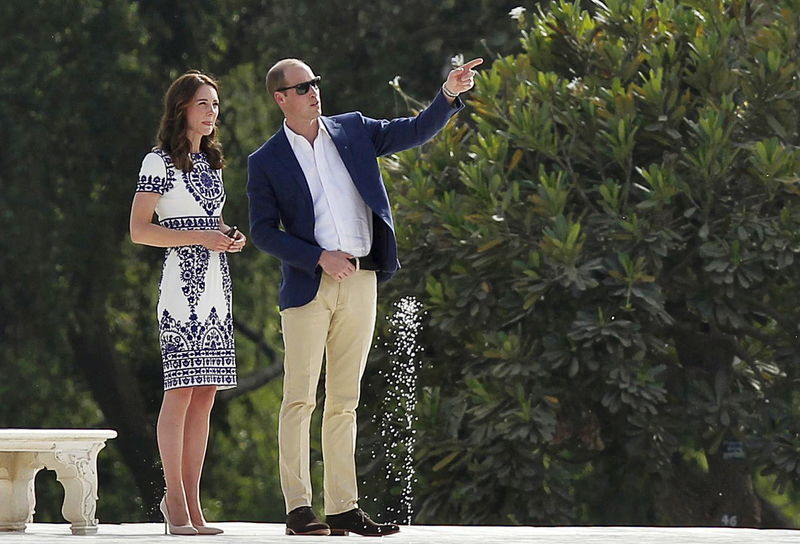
{"x":339,"y":323}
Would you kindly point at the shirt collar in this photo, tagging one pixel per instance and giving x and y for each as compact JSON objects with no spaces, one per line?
{"x":293,"y":136}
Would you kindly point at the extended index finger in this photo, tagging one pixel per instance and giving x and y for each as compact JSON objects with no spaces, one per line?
{"x":472,"y":64}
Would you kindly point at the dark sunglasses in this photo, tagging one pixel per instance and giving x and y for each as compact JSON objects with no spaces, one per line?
{"x":302,"y":88}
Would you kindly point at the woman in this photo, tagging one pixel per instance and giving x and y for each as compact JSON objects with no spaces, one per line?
{"x":181,"y":181}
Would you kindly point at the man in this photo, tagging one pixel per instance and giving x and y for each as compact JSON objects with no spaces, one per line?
{"x":318,"y":203}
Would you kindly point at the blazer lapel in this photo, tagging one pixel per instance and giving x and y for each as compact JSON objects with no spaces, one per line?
{"x":283,"y":150}
{"x":340,"y":140}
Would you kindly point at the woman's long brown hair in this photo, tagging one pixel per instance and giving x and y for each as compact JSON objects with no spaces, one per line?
{"x":172,"y":132}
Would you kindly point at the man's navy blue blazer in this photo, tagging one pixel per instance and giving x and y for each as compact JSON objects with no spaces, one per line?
{"x":281,"y":209}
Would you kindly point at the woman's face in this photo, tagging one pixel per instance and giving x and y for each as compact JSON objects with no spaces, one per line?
{"x":201,"y":113}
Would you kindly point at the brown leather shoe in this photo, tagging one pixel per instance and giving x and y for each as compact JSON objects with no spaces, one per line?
{"x":357,"y":521}
{"x":302,"y":521}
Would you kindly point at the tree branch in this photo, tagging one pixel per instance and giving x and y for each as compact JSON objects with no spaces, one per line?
{"x":251,"y":334}
{"x":761,"y":307}
{"x":251,"y":382}
{"x":740,"y":352}
{"x":750,"y":331}
{"x":261,"y":377}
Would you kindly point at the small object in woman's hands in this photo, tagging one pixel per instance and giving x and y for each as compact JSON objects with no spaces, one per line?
{"x":234,"y":230}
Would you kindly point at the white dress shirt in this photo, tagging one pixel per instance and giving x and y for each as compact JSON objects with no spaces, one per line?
{"x":342,"y":220}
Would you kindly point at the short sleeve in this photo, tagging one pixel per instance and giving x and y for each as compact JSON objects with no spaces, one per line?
{"x":153,"y":176}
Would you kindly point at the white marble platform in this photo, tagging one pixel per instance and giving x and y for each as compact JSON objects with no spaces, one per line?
{"x":270,"y":533}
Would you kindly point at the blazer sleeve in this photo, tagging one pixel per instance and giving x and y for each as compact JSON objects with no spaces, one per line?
{"x":265,"y":231}
{"x":394,"y":135}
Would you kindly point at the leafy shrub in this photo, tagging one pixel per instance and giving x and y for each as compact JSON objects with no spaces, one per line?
{"x":605,"y":243}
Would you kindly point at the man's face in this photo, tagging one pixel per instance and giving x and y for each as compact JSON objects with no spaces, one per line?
{"x":300,"y":107}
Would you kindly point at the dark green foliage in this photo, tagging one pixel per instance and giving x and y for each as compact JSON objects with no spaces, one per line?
{"x":81,"y":85}
{"x":607,"y":250}
{"x":62,"y":201}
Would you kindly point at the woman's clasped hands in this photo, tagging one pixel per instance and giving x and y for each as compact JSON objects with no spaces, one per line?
{"x":217,"y":240}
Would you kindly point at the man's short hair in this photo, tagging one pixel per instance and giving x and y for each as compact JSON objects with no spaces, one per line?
{"x":276,"y":77}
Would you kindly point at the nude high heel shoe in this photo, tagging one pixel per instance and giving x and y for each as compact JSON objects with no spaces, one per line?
{"x":206,"y":530}
{"x":169,"y":528}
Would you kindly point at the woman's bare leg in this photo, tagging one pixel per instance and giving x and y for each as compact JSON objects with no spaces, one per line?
{"x":170,"y":431}
{"x":194,"y":448}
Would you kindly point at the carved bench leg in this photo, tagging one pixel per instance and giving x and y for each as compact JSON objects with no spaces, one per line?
{"x":17,"y":500}
{"x":77,"y":472}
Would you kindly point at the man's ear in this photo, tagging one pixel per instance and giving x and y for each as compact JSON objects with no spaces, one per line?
{"x":279,"y":97}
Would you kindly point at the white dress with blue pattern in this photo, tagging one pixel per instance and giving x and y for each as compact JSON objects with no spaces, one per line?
{"x":194,"y":303}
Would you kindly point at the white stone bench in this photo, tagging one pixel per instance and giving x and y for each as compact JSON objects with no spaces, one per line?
{"x":71,"y":453}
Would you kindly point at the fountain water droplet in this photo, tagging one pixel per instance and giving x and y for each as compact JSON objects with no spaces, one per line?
{"x":399,"y":404}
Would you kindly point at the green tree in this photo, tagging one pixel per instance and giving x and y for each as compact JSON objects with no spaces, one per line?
{"x":79,"y":334}
{"x":81,"y":86}
{"x":68,"y":138}
{"x":358,"y":47}
{"x":607,"y":253}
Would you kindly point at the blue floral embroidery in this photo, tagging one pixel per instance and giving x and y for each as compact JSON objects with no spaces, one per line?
{"x":192,"y":222}
{"x":204,"y":184}
{"x":194,"y":265}
{"x":157,"y":184}
{"x":198,"y":353}
{"x":152,"y":184}
{"x":193,"y":260}
{"x":227,"y":286}
{"x":166,"y":156}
